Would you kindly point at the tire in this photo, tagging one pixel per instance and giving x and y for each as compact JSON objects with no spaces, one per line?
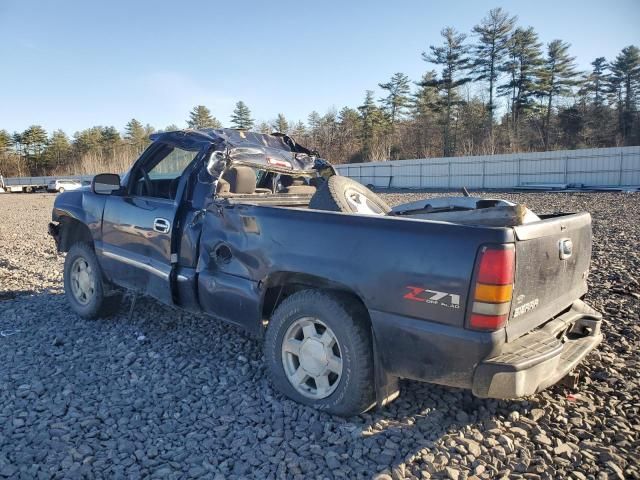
{"x":342,"y":194}
{"x":102,"y":301}
{"x":61,"y":190}
{"x":352,"y":392}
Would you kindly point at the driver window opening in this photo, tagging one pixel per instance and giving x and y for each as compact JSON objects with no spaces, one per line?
{"x":159,"y":178}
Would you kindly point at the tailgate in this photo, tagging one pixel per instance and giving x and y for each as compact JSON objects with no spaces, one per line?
{"x":552,"y":264}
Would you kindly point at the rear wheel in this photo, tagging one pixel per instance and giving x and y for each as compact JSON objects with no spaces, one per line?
{"x":86,"y":290}
{"x":61,"y":190}
{"x":319,"y":352}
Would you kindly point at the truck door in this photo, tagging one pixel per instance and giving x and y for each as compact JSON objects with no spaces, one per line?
{"x":139,"y":224}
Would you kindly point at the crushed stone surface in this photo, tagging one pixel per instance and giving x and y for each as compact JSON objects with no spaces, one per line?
{"x":173,"y":395}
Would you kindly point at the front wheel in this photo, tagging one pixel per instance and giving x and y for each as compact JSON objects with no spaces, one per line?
{"x":318,"y":351}
{"x":85,"y":288}
{"x":61,"y":190}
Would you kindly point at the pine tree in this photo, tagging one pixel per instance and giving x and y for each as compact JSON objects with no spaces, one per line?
{"x":373,"y":126}
{"x":525,"y":59}
{"x":34,"y":140}
{"x":134,"y":132}
{"x":598,"y":124}
{"x":90,"y":140}
{"x":425,"y":110}
{"x":313,"y":121}
{"x":490,"y":51}
{"x":264,"y":127}
{"x":171,"y":128}
{"x":59,"y":148}
{"x":148,"y":130}
{"x":350,"y":127}
{"x":452,"y":57}
{"x":298,"y":130}
{"x":110,"y":138}
{"x":5,"y":141}
{"x":594,"y":83}
{"x":16,"y":143}
{"x":200,"y":117}
{"x":624,"y":81}
{"x":557,"y":76}
{"x":241,"y":117}
{"x":280,"y":124}
{"x":397,"y":101}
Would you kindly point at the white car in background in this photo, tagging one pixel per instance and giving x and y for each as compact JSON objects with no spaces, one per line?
{"x":63,"y":185}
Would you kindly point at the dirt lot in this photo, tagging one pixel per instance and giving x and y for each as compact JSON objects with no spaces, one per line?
{"x":180,"y":396}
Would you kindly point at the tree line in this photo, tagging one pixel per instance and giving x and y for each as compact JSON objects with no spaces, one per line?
{"x":495,"y":90}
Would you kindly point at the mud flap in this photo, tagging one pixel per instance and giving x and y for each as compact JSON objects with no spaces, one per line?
{"x":54,"y":231}
{"x":387,"y":386}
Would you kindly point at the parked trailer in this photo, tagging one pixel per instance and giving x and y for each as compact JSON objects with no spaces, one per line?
{"x":34,"y":184}
{"x":23,"y":184}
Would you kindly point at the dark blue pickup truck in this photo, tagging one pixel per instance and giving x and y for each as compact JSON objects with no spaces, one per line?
{"x":348,"y":294}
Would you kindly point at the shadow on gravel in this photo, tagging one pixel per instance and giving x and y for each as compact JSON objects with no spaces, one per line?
{"x":11,"y":294}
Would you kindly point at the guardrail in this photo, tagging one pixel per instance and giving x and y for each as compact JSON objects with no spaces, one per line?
{"x":618,"y":166}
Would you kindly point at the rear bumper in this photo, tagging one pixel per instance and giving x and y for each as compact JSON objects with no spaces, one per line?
{"x":540,"y":359}
{"x":481,"y":361}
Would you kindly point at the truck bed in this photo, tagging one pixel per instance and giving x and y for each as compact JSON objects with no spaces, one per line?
{"x":437,"y":255}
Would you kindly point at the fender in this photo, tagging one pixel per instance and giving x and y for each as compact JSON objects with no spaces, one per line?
{"x":83,"y":206}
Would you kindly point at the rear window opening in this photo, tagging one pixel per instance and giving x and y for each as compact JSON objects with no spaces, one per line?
{"x":241,"y":181}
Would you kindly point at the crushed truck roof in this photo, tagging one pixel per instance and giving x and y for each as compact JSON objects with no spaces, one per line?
{"x":275,"y":151}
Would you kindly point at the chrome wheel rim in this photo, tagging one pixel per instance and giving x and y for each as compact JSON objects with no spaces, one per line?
{"x":312,"y":358}
{"x":83,"y":283}
{"x":360,"y":203}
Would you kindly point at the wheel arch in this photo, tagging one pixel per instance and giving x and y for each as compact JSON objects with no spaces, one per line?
{"x":73,"y":231}
{"x":279,"y":285}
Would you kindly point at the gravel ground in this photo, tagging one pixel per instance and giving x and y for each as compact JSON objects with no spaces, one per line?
{"x":180,"y":396}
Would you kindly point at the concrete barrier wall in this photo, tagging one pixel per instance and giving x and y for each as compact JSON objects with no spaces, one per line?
{"x":596,"y":166}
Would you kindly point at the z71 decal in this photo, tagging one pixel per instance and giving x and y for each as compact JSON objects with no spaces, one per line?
{"x":444,"y":299}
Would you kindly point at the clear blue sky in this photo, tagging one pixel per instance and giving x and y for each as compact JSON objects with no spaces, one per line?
{"x":72,"y":64}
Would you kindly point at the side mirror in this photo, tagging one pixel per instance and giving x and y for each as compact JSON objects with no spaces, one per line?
{"x":105,"y":183}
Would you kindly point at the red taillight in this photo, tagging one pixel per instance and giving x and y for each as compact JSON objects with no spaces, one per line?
{"x":487,"y":322}
{"x":493,"y":288}
{"x":496,"y":266}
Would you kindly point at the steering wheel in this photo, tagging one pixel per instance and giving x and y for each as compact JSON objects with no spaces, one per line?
{"x":148,"y":185}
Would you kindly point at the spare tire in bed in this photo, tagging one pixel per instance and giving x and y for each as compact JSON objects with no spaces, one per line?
{"x":341,"y":194}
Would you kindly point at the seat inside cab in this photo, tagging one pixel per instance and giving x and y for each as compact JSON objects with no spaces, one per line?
{"x":242,"y":180}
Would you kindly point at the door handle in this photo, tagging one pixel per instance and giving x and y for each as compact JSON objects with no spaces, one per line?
{"x":161,"y":225}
